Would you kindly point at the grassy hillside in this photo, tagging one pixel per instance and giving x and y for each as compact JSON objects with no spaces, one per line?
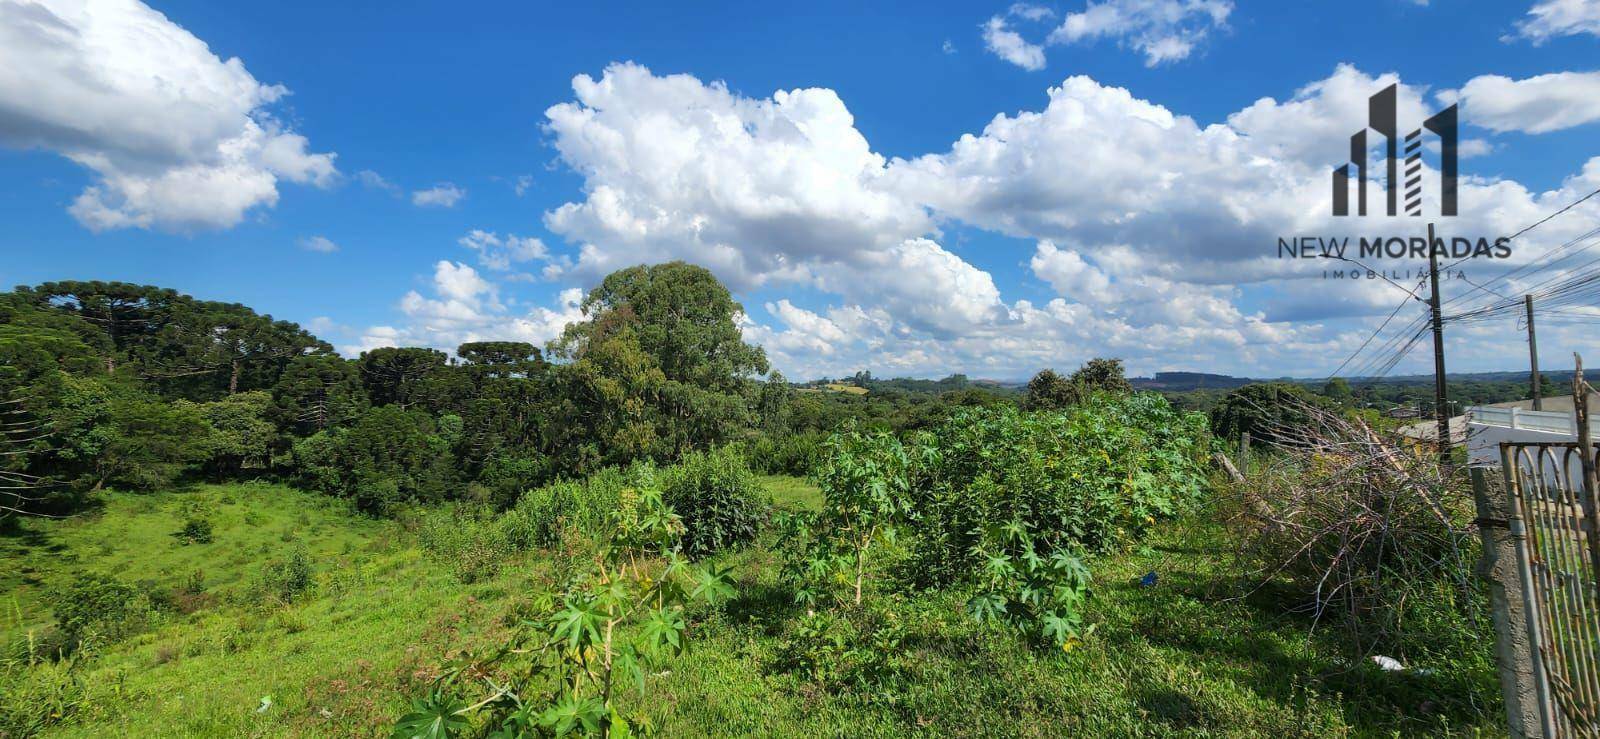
{"x":380,"y":618}
{"x":336,"y":661}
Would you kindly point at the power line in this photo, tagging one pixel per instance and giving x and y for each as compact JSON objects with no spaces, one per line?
{"x":1535,"y":224}
{"x":1410,"y":294}
{"x":1569,"y":206}
{"x":1395,"y":349}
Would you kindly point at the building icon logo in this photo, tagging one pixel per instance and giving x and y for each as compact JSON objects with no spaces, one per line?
{"x":1381,"y":114}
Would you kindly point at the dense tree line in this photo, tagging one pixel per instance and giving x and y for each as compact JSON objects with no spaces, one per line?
{"x":108,"y":383}
{"x":1383,"y":397}
{"x":140,"y":387}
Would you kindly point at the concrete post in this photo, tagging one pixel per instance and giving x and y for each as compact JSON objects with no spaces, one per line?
{"x":1498,"y":567}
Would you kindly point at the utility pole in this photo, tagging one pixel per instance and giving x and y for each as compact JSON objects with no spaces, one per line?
{"x":1580,"y":410}
{"x":1440,"y":401}
{"x":1533,"y":353}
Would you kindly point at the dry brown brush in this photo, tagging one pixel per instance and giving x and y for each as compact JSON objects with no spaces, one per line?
{"x":1368,"y":530}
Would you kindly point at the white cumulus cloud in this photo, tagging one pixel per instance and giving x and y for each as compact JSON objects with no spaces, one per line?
{"x":500,"y":253}
{"x":1548,"y":19}
{"x":320,"y":244}
{"x":1155,"y":233}
{"x":1539,"y":104}
{"x":1163,"y":30}
{"x":999,"y":38}
{"x":176,"y":137}
{"x":442,"y":195}
{"x":757,"y":189}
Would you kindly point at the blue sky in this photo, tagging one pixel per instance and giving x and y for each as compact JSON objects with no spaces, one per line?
{"x":854,"y":222}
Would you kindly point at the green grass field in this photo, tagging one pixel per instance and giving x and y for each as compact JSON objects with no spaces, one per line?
{"x":382,"y":618}
{"x":335,"y":662}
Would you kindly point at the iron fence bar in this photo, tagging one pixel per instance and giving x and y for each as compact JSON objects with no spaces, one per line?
{"x":1510,"y":458}
{"x":1545,"y":559}
{"x":1572,"y":574}
{"x":1584,"y":588}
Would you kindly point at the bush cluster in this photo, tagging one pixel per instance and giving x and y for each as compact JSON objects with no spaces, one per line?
{"x":1090,"y":477}
{"x":788,"y":454}
{"x":195,"y":531}
{"x":718,"y":498}
{"x":1000,"y":500}
{"x":715,"y":494}
{"x":94,"y":607}
{"x":283,"y":579}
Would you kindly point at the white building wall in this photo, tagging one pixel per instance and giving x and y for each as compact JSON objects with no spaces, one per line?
{"x":1487,"y":428}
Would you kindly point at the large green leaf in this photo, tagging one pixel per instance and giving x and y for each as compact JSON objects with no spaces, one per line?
{"x":435,"y":717}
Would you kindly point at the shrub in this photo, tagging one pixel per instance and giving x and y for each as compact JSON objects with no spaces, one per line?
{"x":542,"y":513}
{"x":1092,"y":477}
{"x":618,"y":620}
{"x":472,"y":540}
{"x":190,"y":596}
{"x":1038,"y":593}
{"x":92,"y":606}
{"x":38,"y":694}
{"x":284,"y":579}
{"x":851,"y":650}
{"x":865,"y":483}
{"x":194,"y":531}
{"x":475,"y":541}
{"x":718,"y":498}
{"x":1268,"y":411}
{"x":788,"y":454}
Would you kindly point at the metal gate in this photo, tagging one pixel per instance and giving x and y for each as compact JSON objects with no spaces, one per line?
{"x":1551,"y":519}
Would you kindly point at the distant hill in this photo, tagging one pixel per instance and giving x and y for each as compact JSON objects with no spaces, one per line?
{"x":1178,"y":381}
{"x":1185,"y":381}
{"x":863,"y":382}
{"x":1561,"y":376}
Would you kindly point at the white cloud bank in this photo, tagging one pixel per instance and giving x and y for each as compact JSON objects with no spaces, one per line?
{"x":462,"y":307}
{"x":176,"y":137}
{"x":1540,"y":104}
{"x":1154,"y":234}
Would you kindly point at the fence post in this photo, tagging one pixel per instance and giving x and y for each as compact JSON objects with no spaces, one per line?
{"x":1498,"y":566}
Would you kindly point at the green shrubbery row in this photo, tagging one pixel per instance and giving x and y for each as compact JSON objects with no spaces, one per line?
{"x":788,"y":454}
{"x":718,"y":498}
{"x":1001,"y":501}
{"x":1091,"y":477}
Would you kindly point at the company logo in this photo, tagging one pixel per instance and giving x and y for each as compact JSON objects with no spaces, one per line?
{"x":1381,"y":120}
{"x":1375,"y":252}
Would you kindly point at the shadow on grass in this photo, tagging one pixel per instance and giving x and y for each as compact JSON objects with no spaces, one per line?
{"x":21,"y":539}
{"x":1172,"y":708}
{"x":1201,"y":615}
{"x":763,"y":606}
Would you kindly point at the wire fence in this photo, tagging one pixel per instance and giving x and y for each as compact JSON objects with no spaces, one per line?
{"x":1558,"y":559}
